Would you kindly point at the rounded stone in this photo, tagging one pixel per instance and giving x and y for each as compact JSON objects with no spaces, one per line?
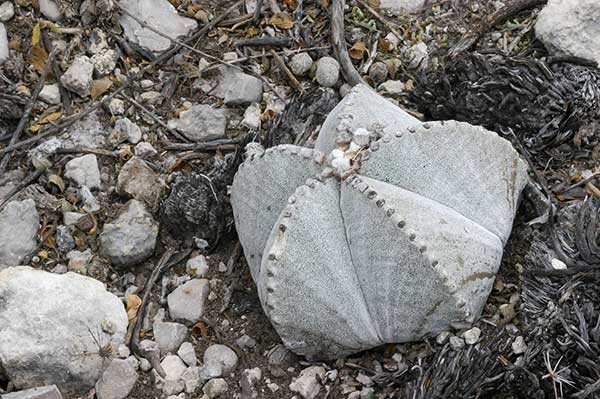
{"x":328,"y":72}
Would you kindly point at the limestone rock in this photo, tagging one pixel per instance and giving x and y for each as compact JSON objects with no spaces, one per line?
{"x":159,"y":14}
{"x":77,"y":309}
{"x":137,"y":180}
{"x":328,"y":71}
{"x":570,"y":27}
{"x":201,"y":123}
{"x":215,"y":388}
{"x":84,"y":171}
{"x":400,"y":6}
{"x":50,"y":9}
{"x":117,"y":381}
{"x":4,"y":51}
{"x":222,"y":357}
{"x":19,"y":223}
{"x":45,"y":392}
{"x":78,"y":78}
{"x":375,"y":228}
{"x":187,"y":301}
{"x":169,"y":336}
{"x":236,"y":87}
{"x":301,"y":63}
{"x":7,"y":11}
{"x":131,"y":237}
{"x":50,"y":94}
{"x":306,"y":384}
{"x":187,"y":353}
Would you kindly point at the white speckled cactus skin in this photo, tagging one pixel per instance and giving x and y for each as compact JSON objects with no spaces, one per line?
{"x":401,"y":245}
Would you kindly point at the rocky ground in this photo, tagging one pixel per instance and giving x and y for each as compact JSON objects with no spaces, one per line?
{"x":117,"y":147}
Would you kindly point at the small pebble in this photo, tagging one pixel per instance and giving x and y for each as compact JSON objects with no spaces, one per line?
{"x":519,"y":346}
{"x":300,"y":64}
{"x":472,"y":336}
{"x":328,"y":72}
{"x":457,"y":343}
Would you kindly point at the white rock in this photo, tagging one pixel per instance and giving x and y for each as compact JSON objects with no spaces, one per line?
{"x":443,"y":337}
{"x":215,"y":388}
{"x":472,"y":335}
{"x":558,"y":264}
{"x":196,"y":266}
{"x":150,"y":97}
{"x":144,"y":150}
{"x":328,"y":71}
{"x":90,"y":203}
{"x":570,"y":27}
{"x":104,"y":62}
{"x":220,"y":357}
{"x":50,"y":94}
{"x":127,"y":130}
{"x":131,"y":237}
{"x":236,"y":87}
{"x":201,"y":123}
{"x":306,"y":384}
{"x":159,"y":14}
{"x":116,"y":106}
{"x":173,"y":387}
{"x":519,"y":346}
{"x":173,"y":367}
{"x":187,"y":353}
{"x":4,"y":52}
{"x":187,"y":301}
{"x":117,"y":381}
{"x":45,"y":392}
{"x":418,"y":56}
{"x":84,"y":171}
{"x":249,"y":381}
{"x":191,"y":379}
{"x":457,"y":343}
{"x":137,"y":180}
{"x":7,"y":11}
{"x":252,"y":116}
{"x":78,"y":78}
{"x":146,"y":83}
{"x":392,"y":87}
{"x":49,"y":9}
{"x":169,"y":336}
{"x":300,"y":63}
{"x":400,"y":6}
{"x":97,"y":42}
{"x":145,"y":365}
{"x":70,"y":305}
{"x":19,"y":223}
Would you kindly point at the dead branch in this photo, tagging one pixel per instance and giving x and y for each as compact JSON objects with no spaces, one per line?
{"x":293,"y":81}
{"x":264,"y":41}
{"x":339,"y":44}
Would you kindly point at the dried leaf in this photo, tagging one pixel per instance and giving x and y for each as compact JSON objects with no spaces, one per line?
{"x":57,"y":181}
{"x":51,"y":25}
{"x":133,"y":305}
{"x":358,"y":51}
{"x":45,"y":120}
{"x":374,"y":3}
{"x":38,"y":58}
{"x":100,"y":86}
{"x":199,"y":330}
{"x":282,"y":20}
{"x":36,"y":34}
{"x":43,"y":255}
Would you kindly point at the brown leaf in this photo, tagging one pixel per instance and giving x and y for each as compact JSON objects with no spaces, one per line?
{"x":282,"y":20}
{"x":38,"y":58}
{"x":45,"y":120}
{"x":100,"y":86}
{"x":133,"y":305}
{"x":57,"y":181}
{"x":358,"y":51}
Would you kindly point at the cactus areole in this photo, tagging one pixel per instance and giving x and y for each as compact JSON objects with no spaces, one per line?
{"x":388,"y":230}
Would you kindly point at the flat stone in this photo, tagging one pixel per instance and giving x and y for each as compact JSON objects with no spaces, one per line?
{"x":50,"y":94}
{"x":131,"y":237}
{"x":570,"y":27}
{"x":19,"y":223}
{"x":78,"y":77}
{"x":307,"y":384}
{"x":169,"y":336}
{"x":45,"y":392}
{"x":145,"y":150}
{"x":300,"y":64}
{"x":418,"y":56}
{"x":187,"y":301}
{"x":398,"y":7}
{"x":392,"y":87}
{"x":221,"y":356}
{"x":50,"y":9}
{"x":4,"y":51}
{"x":236,"y":87}
{"x":328,"y":71}
{"x":201,"y":123}
{"x":84,"y":171}
{"x":36,"y":302}
{"x":161,"y":16}
{"x":117,"y":381}
{"x":215,"y":388}
{"x":187,"y":353}
{"x":125,"y":129}
{"x":137,"y":180}
{"x":7,"y":11}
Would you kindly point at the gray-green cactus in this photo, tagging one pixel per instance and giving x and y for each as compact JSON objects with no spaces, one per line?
{"x":387,"y":231}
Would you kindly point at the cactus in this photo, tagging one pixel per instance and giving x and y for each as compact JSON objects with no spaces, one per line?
{"x":389,"y":230}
